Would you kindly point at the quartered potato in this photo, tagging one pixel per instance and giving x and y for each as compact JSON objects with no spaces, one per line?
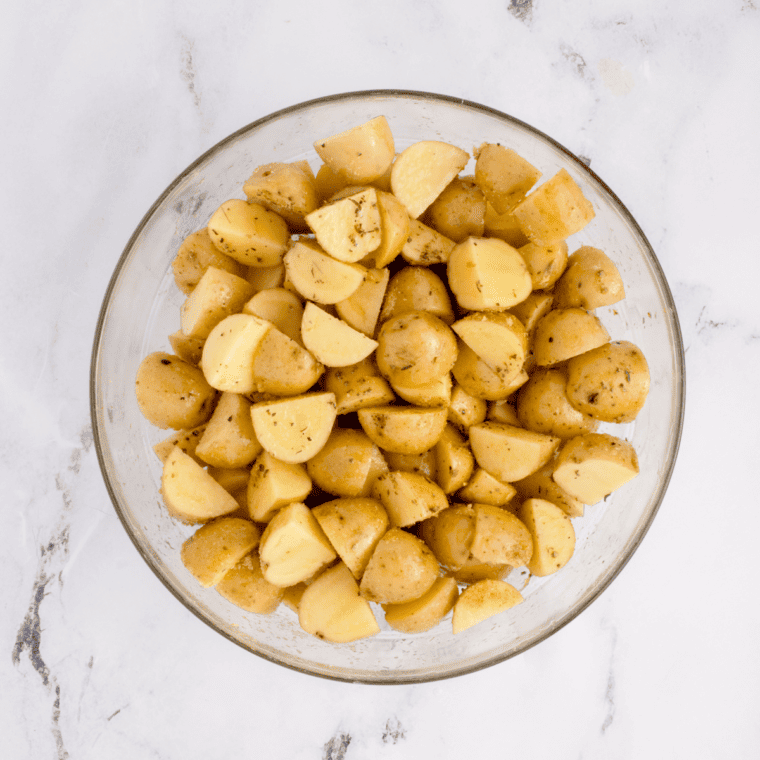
{"x":332,"y":341}
{"x":503,"y":176}
{"x":499,"y":538}
{"x":358,"y":386}
{"x":479,"y":380}
{"x":279,"y":306}
{"x":466,"y":410}
{"x":196,"y":254}
{"x":424,"y":245}
{"x":546,"y":263}
{"x":403,"y":429}
{"x":417,"y":289}
{"x":228,"y":440}
{"x":287,"y":189}
{"x":449,"y":535}
{"x":274,"y":484}
{"x":591,"y":280}
{"x":361,"y":309}
{"x":282,"y":367}
{"x":422,"y":464}
{"x":565,"y":333}
{"x":553,"y":535}
{"x":541,"y":485}
{"x":245,"y":586}
{"x":424,"y":613}
{"x":408,"y":497}
{"x":394,"y":225}
{"x":435,"y":393}
{"x":482,"y":600}
{"x":459,"y":211}
{"x":484,"y":488}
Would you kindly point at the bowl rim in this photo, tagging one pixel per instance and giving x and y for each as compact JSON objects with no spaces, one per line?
{"x":678,"y":356}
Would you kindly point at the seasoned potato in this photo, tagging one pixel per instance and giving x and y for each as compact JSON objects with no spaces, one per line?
{"x":510,"y":453}
{"x":500,"y":538}
{"x":415,"y":348}
{"x":484,"y":488}
{"x":434,"y":393}
{"x":329,"y":182}
{"x":422,"y":171}
{"x":274,"y":484}
{"x":417,"y":289}
{"x":504,"y":226}
{"x":609,"y":383}
{"x":423,"y":464}
{"x":473,"y":571}
{"x":553,"y":536}
{"x":487,"y":274}
{"x":189,"y":349}
{"x":263,"y":278}
{"x":172,"y":393}
{"x":279,"y":306}
{"x":541,"y":485}
{"x":353,"y":526}
{"x":466,"y":410}
{"x":454,"y":460}
{"x":331,"y":608}
{"x":348,"y":464}
{"x":293,"y":547}
{"x":592,"y":466}
{"x":503,"y":176}
{"x":483,"y":600}
{"x":408,"y":497}
{"x":229,"y":440}
{"x":283,"y":367}
{"x":564,"y":333}
{"x":543,"y":406}
{"x":535,"y":306}
{"x":459,"y":211}
{"x":394,"y":226}
{"x":403,"y":429}
{"x":249,"y":233}
{"x":591,"y":280}
{"x":554,"y":210}
{"x":196,"y":254}
{"x":187,"y":440}
{"x":546,"y":263}
{"x":217,"y":547}
{"x":424,"y":245}
{"x":449,"y":535}
{"x":358,"y":386}
{"x":362,"y":308}
{"x":331,"y":340}
{"x":424,"y":613}
{"x":245,"y":586}
{"x":503,"y":411}
{"x":400,"y":569}
{"x":479,"y":380}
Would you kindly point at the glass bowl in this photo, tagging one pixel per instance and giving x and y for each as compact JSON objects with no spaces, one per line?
{"x":141,"y":308}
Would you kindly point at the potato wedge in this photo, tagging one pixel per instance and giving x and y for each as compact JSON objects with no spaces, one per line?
{"x":500,"y":538}
{"x":422,"y":171}
{"x":503,"y":176}
{"x":229,"y":440}
{"x":330,"y":608}
{"x":362,"y":308}
{"x":215,"y":548}
{"x":479,"y":380}
{"x":425,"y":246}
{"x":279,"y":306}
{"x":274,"y":484}
{"x":459,"y":211}
{"x":481,"y":601}
{"x":510,"y":453}
{"x":358,"y":386}
{"x":408,"y":497}
{"x":294,"y":429}
{"x":591,"y":280}
{"x":287,"y":189}
{"x":565,"y":333}
{"x":403,"y":429}
{"x":594,"y":465}
{"x":394,"y":225}
{"x":454,"y":460}
{"x":541,"y":485}
{"x":283,"y":367}
{"x":331,"y":340}
{"x":424,"y":613}
{"x":293,"y":547}
{"x":246,"y":587}
{"x":417,"y":289}
{"x":466,"y":410}
{"x":553,"y":535}
{"x":196,"y":254}
{"x":484,"y":488}
{"x":449,"y":535}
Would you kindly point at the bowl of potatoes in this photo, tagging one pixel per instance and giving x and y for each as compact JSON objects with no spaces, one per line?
{"x":387,"y":387}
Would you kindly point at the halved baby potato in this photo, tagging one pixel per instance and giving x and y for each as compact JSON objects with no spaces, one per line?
{"x":504,"y":176}
{"x":449,"y":535}
{"x":500,"y":538}
{"x":403,"y":429}
{"x":196,"y":254}
{"x":287,"y":189}
{"x":553,"y":535}
{"x":591,"y":280}
{"x":482,"y":600}
{"x":459,"y":211}
{"x":334,"y":342}
{"x":565,"y":333}
{"x":424,"y":613}
{"x":417,"y":289}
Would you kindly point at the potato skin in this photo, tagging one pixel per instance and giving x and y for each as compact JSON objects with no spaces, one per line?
{"x":172,"y":393}
{"x":610,"y":383}
{"x":417,"y":289}
{"x":415,"y":348}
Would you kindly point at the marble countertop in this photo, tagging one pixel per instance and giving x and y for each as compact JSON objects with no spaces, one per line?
{"x":105,"y":103}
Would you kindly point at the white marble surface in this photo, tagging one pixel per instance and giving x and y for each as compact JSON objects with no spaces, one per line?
{"x":105,"y":102}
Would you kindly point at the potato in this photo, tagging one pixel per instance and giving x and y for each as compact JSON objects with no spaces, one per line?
{"x":535,"y":306}
{"x":292,"y":595}
{"x":454,"y":460}
{"x":245,"y":586}
{"x":360,"y":154}
{"x":333,"y":341}
{"x":172,"y":393}
{"x":592,"y":466}
{"x":500,"y":538}
{"x":196,"y":254}
{"x":293,"y":547}
{"x":294,"y":429}
{"x":553,"y":536}
{"x":540,"y":485}
{"x":503,"y":176}
{"x":217,"y":547}
{"x":400,"y":569}
{"x":415,"y":348}
{"x":264,"y":278}
{"x":227,"y":359}
{"x":353,"y":526}
{"x":435,"y":393}
{"x":279,"y":306}
{"x":504,"y":411}
{"x":249,"y":233}
{"x":449,"y":535}
{"x":189,"y":349}
{"x":424,"y":245}
{"x":424,"y":613}
{"x":483,"y":488}
{"x":510,"y":453}
{"x":479,"y":380}
{"x":274,"y":484}
{"x":362,"y":308}
{"x":403,"y":429}
{"x":217,"y":295}
{"x":487,"y":274}
{"x":331,"y":608}
{"x":564,"y":333}
{"x":422,"y":171}
{"x":329,"y":182}
{"x":545,"y":263}
{"x":348,"y":464}
{"x":499,"y":340}
{"x":187,"y":440}
{"x":423,"y":464}
{"x":394,"y":226}
{"x":348,"y":229}
{"x":466,"y":410}
{"x":473,"y":571}
{"x":408,"y":497}
{"x":554,"y":210}
{"x":358,"y":386}
{"x":483,"y":600}
{"x":609,"y":383}
{"x":590,"y":280}
{"x":234,"y":480}
{"x":282,"y":367}
{"x":229,"y":440}
{"x":504,"y":226}
{"x":319,"y":277}
{"x":287,"y":189}
{"x":543,"y":406}
{"x":417,"y":289}
{"x":459,"y":211}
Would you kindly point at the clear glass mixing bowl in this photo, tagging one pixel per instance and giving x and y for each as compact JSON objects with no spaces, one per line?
{"x":141,"y":308}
